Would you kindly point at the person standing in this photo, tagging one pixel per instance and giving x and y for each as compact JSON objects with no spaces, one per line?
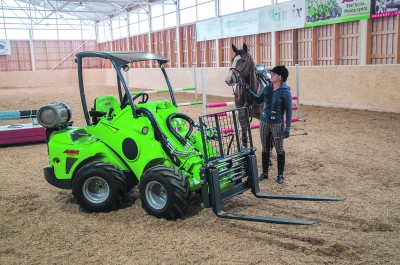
{"x":277,"y":100}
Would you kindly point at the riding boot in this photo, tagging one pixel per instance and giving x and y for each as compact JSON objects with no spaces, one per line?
{"x":281,"y":168}
{"x":265,"y":165}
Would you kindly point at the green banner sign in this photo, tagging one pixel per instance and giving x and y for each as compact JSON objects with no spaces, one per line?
{"x":323,"y":12}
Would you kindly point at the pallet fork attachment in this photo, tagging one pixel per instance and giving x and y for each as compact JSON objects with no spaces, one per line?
{"x":231,"y":167}
{"x":216,"y":197}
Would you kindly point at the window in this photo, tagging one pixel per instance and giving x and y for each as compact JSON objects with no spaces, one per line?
{"x":187,"y":3}
{"x":156,"y":10}
{"x":138,"y":22}
{"x":230,"y":6}
{"x":157,"y":23}
{"x":170,"y":20}
{"x":104,"y":32}
{"x":194,"y":10}
{"x":252,"y":4}
{"x":188,"y":15}
{"x":206,"y":10}
{"x":45,"y":34}
{"x":46,"y":24}
{"x":15,"y":34}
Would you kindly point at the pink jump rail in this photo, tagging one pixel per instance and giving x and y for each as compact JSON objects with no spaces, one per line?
{"x":219,"y":104}
{"x":224,"y":104}
{"x":222,"y":114}
{"x":252,"y":127}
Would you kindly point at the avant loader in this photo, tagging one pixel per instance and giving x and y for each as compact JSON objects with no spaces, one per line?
{"x":131,"y":141}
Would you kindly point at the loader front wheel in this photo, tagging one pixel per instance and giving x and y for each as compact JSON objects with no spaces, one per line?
{"x":99,"y":187}
{"x":164,"y":192}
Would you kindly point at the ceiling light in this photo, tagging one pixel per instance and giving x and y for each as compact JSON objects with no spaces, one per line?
{"x":81,"y":5}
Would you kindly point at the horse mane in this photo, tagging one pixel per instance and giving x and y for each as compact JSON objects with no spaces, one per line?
{"x":253,"y":82}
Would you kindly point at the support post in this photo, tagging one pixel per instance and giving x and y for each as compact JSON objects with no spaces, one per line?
{"x":297,"y":92}
{"x":203,"y":89}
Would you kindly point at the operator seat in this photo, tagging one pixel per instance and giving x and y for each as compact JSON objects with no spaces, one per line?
{"x":104,"y":107}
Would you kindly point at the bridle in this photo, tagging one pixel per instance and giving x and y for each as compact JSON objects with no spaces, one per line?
{"x":239,"y":80}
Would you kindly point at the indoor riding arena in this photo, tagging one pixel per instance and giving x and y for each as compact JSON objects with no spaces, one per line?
{"x":345,"y":144}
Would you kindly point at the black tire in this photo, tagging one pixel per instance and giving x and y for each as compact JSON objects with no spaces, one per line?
{"x":164,"y":192}
{"x":99,"y":187}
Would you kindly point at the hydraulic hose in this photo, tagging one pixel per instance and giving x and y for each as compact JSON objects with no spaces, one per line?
{"x":181,"y":139}
{"x":160,"y":136}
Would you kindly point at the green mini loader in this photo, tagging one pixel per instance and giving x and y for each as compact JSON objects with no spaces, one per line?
{"x":129,"y":141}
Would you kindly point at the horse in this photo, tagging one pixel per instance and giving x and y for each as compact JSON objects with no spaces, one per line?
{"x":242,"y":73}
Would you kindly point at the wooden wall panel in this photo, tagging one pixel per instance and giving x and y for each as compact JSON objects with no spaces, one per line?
{"x":349,"y":43}
{"x":286,"y":47}
{"x":18,"y":60}
{"x":251,"y":43}
{"x":212,"y":50}
{"x":384,"y":40}
{"x":265,"y":48}
{"x":226,"y":52}
{"x":325,"y":45}
{"x":193,"y":52}
{"x":185,"y":47}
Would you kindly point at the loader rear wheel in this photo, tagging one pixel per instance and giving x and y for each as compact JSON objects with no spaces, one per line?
{"x":164,"y":192}
{"x":99,"y":187}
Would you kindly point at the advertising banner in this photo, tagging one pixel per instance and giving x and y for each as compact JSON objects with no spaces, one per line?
{"x":288,"y":15}
{"x":5,"y":47}
{"x":323,"y":12}
{"x":285,"y":16}
{"x":384,"y":8}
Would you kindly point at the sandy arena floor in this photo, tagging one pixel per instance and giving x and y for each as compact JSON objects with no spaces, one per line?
{"x":347,"y":153}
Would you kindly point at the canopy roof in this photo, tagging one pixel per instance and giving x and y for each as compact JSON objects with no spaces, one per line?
{"x":125,"y":56}
{"x":95,"y":10}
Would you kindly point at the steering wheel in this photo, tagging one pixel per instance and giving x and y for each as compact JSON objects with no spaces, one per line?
{"x":125,"y":101}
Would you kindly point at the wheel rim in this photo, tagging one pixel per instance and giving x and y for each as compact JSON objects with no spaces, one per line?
{"x":156,"y":195}
{"x":96,"y":189}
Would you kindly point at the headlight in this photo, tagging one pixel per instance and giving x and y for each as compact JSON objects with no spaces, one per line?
{"x":54,"y":115}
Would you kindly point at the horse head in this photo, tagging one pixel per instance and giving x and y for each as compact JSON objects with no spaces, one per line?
{"x":241,"y":65}
{"x":241,"y":74}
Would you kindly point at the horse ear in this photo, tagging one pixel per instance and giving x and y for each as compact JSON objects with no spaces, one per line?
{"x":245,"y":47}
{"x":235,"y":50}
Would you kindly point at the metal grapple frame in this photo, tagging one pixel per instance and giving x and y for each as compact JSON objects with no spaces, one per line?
{"x":232,"y":154}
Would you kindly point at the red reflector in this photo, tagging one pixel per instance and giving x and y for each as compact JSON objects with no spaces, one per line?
{"x":71,"y":152}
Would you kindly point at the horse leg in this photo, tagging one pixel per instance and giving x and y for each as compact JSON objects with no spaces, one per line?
{"x":244,"y":125}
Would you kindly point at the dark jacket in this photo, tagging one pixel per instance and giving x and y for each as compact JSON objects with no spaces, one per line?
{"x":275,"y":104}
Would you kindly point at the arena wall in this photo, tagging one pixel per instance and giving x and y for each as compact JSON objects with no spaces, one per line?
{"x":372,"y":87}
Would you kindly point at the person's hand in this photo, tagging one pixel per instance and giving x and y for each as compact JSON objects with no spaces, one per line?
{"x":286,"y":133}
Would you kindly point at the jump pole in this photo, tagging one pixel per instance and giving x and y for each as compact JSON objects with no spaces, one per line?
{"x":17,"y":114}
{"x":203,"y":90}
{"x":21,"y":133}
{"x":297,"y":92}
{"x":195,"y":83}
{"x":164,"y":90}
